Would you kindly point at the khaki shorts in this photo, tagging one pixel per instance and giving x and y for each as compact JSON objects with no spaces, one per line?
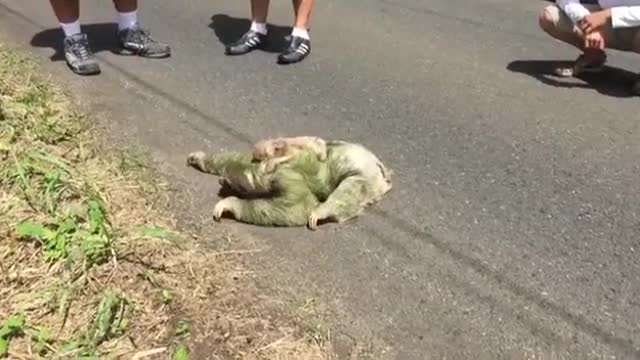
{"x":624,"y":39}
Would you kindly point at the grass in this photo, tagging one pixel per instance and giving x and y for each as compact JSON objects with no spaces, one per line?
{"x":91,"y":264}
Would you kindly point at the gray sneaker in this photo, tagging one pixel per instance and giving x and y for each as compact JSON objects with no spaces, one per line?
{"x":79,"y":56}
{"x":137,"y":41}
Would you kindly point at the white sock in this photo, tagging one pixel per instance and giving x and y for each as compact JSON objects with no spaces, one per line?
{"x":71,"y":29}
{"x":127,"y":20}
{"x":260,"y":28}
{"x":299,"y":32}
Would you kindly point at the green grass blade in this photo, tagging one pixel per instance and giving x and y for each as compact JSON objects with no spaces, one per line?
{"x":181,"y":353}
{"x":30,"y":229}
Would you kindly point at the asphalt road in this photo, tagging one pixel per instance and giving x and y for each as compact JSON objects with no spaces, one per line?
{"x":513,"y":227}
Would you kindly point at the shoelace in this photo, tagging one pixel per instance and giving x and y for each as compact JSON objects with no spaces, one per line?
{"x":142,"y":36}
{"x":81,"y":49}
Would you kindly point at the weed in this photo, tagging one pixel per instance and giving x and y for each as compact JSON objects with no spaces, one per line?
{"x":183,"y":328}
{"x":148,"y":276}
{"x":131,"y":163}
{"x":54,"y":238}
{"x":11,"y":327}
{"x":64,"y":305}
{"x":42,"y":177}
{"x":159,"y":233}
{"x":167,"y":296}
{"x":181,"y":353}
{"x":96,"y":245}
{"x":97,"y":219}
{"x":109,"y":319}
{"x":7,"y":137}
{"x":62,"y":237}
{"x":42,"y":340}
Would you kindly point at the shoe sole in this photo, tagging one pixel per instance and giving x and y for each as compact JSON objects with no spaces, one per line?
{"x":87,"y":71}
{"x":261,"y":46}
{"x":127,"y":52}
{"x":288,"y":62}
{"x":571,"y":72}
{"x":233,"y":53}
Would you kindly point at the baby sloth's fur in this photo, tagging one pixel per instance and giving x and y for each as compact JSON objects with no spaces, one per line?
{"x":273,"y":152}
{"x":303,"y":189}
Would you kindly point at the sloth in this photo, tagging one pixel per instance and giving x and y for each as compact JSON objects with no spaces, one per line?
{"x":272,"y":152}
{"x":301,"y":191}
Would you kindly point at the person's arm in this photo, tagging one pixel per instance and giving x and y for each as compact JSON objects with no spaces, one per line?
{"x":618,"y":17}
{"x":625,"y":16}
{"x":574,"y":10}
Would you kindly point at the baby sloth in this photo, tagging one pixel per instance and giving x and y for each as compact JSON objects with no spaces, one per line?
{"x":273,"y":152}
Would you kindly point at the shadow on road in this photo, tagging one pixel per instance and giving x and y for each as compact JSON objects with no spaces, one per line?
{"x":612,"y":81}
{"x":102,"y":37}
{"x":229,"y":29}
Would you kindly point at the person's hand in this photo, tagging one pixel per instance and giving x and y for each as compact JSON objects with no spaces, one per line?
{"x":594,"y":40}
{"x":594,"y":21}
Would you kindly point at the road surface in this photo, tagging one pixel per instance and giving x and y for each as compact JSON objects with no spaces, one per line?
{"x":513,"y":227}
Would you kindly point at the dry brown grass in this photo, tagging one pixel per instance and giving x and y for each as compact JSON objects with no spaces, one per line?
{"x":90,"y":263}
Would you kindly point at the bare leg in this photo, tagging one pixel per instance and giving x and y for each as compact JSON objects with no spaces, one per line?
{"x":548,"y":24}
{"x":302,"y":10}
{"x":548,"y":21}
{"x":259,"y":10}
{"x":125,"y":6}
{"x":67,"y":11}
{"x":300,"y":44}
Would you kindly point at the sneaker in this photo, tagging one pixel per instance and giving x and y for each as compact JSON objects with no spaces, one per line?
{"x":635,"y":88}
{"x":137,"y":41}
{"x":583,"y":64}
{"x":249,"y":41}
{"x":79,"y":56}
{"x":298,"y":49}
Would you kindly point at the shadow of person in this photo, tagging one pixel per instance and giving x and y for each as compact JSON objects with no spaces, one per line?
{"x":611,"y":81}
{"x":102,"y":37}
{"x":229,"y":29}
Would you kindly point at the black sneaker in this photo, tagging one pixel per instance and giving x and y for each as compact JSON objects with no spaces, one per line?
{"x":249,"y":41}
{"x":635,"y":88}
{"x":298,"y":49}
{"x":79,"y":57}
{"x":137,"y":41}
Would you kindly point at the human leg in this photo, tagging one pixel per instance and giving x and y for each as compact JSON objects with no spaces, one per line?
{"x":77,"y":51}
{"x":302,"y":10}
{"x":300,"y":43}
{"x":67,"y":11}
{"x":127,"y":13}
{"x":257,"y":34}
{"x":133,"y":39}
{"x":558,"y":25}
